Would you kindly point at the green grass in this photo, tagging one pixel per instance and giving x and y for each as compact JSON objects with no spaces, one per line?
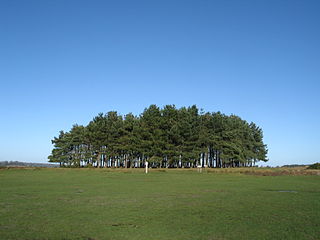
{"x":175,"y":204}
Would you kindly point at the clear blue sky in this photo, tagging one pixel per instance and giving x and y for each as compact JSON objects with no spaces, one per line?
{"x":63,"y":62}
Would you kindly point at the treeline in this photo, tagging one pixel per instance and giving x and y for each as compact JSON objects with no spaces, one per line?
{"x":167,"y":137}
{"x":25,"y":164}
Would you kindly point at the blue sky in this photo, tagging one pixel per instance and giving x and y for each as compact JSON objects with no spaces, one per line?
{"x":63,"y":62}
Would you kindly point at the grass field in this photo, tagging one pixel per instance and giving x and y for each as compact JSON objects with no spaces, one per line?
{"x":169,"y":204}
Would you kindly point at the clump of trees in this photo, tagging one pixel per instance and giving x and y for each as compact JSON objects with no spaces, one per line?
{"x":165,"y":137}
{"x":314,"y":166}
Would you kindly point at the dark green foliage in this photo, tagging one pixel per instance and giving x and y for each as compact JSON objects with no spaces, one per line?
{"x":167,"y":137}
{"x":314,"y":166}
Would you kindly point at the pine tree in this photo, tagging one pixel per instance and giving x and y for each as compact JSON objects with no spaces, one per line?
{"x":167,"y":137}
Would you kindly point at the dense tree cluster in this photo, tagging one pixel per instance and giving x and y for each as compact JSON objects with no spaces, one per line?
{"x":167,"y":137}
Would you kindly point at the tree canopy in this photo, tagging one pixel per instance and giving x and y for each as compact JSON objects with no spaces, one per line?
{"x":165,"y":137}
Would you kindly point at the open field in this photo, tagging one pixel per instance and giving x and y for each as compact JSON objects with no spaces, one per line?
{"x":181,"y":204}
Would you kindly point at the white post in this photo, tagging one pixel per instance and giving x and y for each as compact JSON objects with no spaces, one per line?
{"x":146,"y":167}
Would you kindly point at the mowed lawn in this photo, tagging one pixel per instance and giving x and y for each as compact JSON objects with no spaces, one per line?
{"x":173,"y":204}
